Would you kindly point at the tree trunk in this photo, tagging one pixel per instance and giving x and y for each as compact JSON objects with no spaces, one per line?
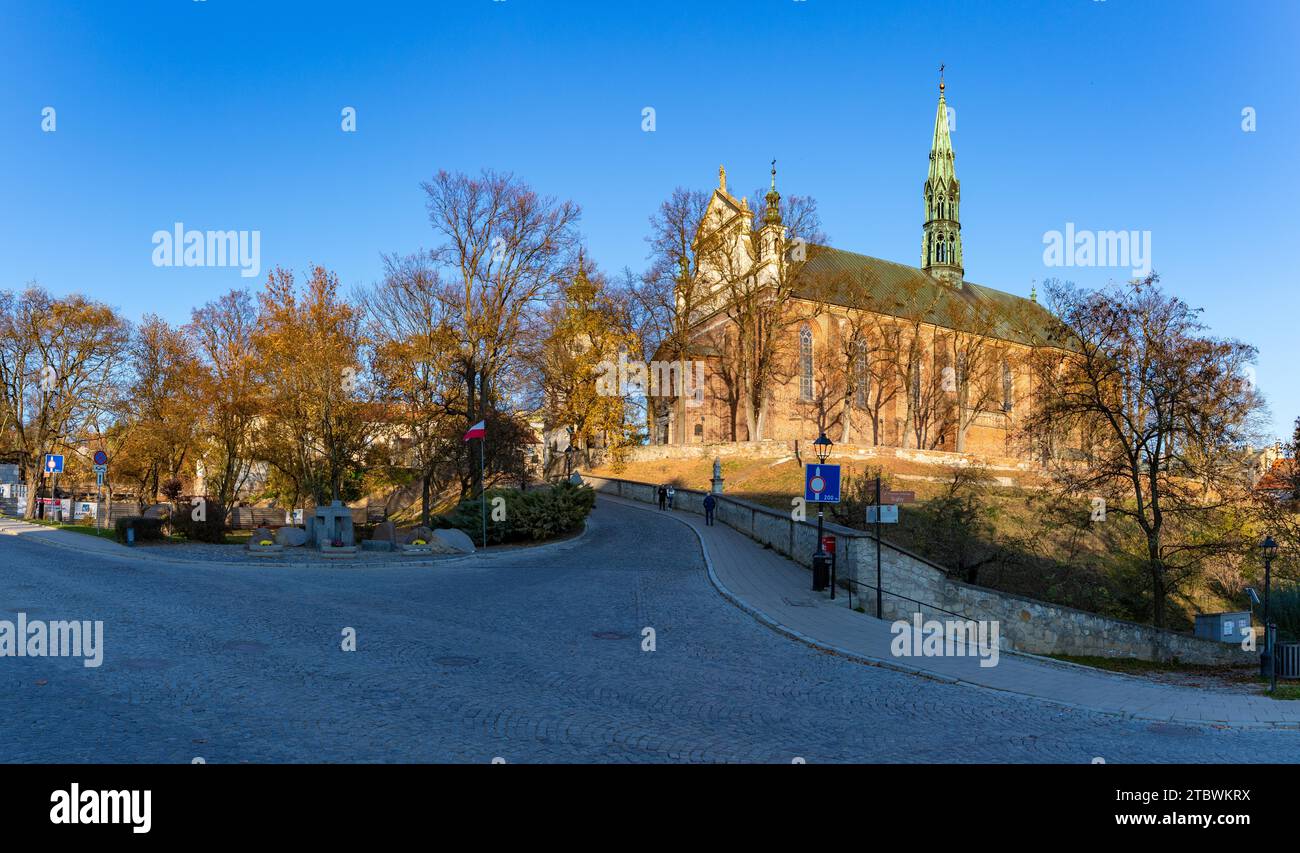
{"x":424,"y":499}
{"x":751,"y":420}
{"x":1159,"y":588}
{"x":470,"y":376}
{"x":681,"y":401}
{"x":33,"y":483}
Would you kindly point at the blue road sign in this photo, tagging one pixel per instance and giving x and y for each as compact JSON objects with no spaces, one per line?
{"x":821,"y":484}
{"x":53,"y":463}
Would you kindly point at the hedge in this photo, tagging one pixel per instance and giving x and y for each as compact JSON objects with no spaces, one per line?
{"x":534,"y":515}
{"x":1284,"y":610}
{"x":211,"y":529}
{"x":146,"y":529}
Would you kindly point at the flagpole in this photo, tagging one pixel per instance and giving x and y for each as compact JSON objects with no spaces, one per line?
{"x":479,"y":431}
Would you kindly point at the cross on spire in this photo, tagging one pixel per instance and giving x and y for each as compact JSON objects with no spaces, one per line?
{"x":941,"y":248}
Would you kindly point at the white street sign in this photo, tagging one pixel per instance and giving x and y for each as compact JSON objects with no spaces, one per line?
{"x":888,"y":514}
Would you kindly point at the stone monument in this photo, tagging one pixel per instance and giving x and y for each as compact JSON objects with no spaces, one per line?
{"x":717,"y":476}
{"x":263,"y":543}
{"x":333,"y":522}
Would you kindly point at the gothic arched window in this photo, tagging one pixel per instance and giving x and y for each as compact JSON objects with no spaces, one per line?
{"x":805,"y":364}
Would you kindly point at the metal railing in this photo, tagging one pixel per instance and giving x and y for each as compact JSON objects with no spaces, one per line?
{"x":851,"y":582}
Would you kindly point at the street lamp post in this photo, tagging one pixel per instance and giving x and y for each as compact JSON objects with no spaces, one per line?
{"x":1268,"y":548}
{"x":822,"y":447}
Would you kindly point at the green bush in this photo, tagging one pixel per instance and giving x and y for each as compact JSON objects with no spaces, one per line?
{"x":211,"y":529}
{"x":146,"y":529}
{"x":1284,"y":609}
{"x":535,"y":515}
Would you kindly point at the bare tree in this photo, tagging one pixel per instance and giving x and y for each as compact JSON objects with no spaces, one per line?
{"x":412,"y":345}
{"x":672,"y":297}
{"x":971,"y":380}
{"x":754,"y":265}
{"x":504,"y":249}
{"x":1145,"y":401}
{"x":882,"y":346}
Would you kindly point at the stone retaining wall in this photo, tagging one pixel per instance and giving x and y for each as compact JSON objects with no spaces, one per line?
{"x":780,"y":449}
{"x":912,"y":584}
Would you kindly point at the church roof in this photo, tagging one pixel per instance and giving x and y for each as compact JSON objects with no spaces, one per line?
{"x":859,"y":281}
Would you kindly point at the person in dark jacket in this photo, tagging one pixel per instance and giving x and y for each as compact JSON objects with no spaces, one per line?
{"x":709,"y":504}
{"x":663,"y":496}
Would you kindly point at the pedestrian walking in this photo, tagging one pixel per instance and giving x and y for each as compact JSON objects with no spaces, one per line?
{"x":671,"y":492}
{"x":709,"y":503}
{"x":663,"y":496}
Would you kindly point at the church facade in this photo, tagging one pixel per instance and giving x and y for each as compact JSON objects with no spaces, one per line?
{"x":798,"y":338}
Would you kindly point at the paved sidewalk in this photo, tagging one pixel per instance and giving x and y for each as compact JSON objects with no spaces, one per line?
{"x":777,"y":591}
{"x":82,"y":542}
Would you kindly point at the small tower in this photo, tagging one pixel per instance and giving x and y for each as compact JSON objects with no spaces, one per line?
{"x":772,"y":234}
{"x":941,"y":253}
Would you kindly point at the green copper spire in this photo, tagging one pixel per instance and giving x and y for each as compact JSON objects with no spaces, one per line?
{"x":941,"y":253}
{"x":772,"y":216}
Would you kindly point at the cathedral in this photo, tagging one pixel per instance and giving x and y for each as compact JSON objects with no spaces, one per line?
{"x":798,"y":339}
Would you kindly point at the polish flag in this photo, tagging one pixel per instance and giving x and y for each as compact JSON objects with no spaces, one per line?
{"x":479,"y":430}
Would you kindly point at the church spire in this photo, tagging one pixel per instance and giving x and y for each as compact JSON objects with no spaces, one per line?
{"x":941,"y":253}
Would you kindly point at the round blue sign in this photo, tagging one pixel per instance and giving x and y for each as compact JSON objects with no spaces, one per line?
{"x":101,"y":458}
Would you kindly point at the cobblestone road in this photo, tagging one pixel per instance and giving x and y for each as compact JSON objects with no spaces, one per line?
{"x":529,"y":657}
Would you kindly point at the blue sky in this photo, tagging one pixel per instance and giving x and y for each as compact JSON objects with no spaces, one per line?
{"x":224,"y":114}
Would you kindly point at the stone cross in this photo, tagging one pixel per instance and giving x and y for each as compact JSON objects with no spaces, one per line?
{"x":333,"y":522}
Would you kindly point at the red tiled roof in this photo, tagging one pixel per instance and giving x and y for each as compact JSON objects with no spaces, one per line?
{"x":1280,"y":478}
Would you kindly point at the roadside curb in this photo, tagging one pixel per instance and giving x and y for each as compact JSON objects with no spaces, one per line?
{"x":785,"y":630}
